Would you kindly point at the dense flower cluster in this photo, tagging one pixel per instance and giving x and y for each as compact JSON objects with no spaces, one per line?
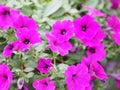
{"x":85,"y":29}
{"x":26,"y":30}
{"x":58,"y":39}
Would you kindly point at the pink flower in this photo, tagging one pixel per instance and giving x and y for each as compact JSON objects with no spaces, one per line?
{"x":117,"y":79}
{"x":96,"y":52}
{"x":24,"y":87}
{"x":77,"y":77}
{"x":5,"y":77}
{"x":114,"y":22}
{"x":63,"y":30}
{"x":25,"y":22}
{"x":95,"y":69}
{"x":88,"y":87}
{"x":44,"y":65}
{"x":100,"y":35}
{"x":116,"y":37}
{"x":85,"y":27}
{"x":27,"y":38}
{"x":7,"y":16}
{"x":10,"y":48}
{"x":62,"y":47}
{"x":44,"y":84}
{"x":115,"y":4}
{"x":94,"y":12}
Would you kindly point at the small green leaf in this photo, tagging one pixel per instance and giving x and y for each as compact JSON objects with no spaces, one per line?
{"x":52,"y":7}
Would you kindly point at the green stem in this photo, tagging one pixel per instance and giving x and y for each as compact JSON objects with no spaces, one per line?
{"x":54,"y":59}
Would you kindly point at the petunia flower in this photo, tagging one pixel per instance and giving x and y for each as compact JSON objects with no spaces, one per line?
{"x":7,"y":16}
{"x":44,"y":84}
{"x":63,"y":30}
{"x":7,"y":52}
{"x":27,"y":38}
{"x":44,"y":65}
{"x":25,"y":22}
{"x":116,"y":37}
{"x":96,"y":52}
{"x":5,"y":77}
{"x":94,"y":12}
{"x":117,"y":79}
{"x":115,"y":4}
{"x":85,"y":27}
{"x":62,"y":47}
{"x":95,"y":69}
{"x":24,"y":87}
{"x":114,"y":23}
{"x":77,"y":77}
{"x":100,"y":35}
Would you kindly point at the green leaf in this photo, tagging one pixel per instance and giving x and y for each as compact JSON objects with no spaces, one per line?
{"x":29,"y":75}
{"x":52,"y":7}
{"x":28,"y":69}
{"x":62,"y":67}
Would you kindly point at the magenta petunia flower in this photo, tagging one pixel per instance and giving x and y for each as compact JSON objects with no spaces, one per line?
{"x":94,"y":12}
{"x":115,"y":4}
{"x":95,"y":69}
{"x":7,"y":52}
{"x":117,"y":79}
{"x":116,"y":37}
{"x":44,"y":84}
{"x":63,"y":30}
{"x":5,"y":77}
{"x":62,"y":47}
{"x":25,"y":22}
{"x":77,"y":77}
{"x":96,"y":52}
{"x":24,"y":87}
{"x":88,"y":87}
{"x":44,"y":65}
{"x":100,"y":35}
{"x":114,"y":22}
{"x":86,"y":27}
{"x":7,"y":16}
{"x":27,"y":38}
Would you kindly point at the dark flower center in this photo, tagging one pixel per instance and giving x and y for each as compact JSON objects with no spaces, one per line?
{"x":5,"y":77}
{"x":46,"y":66}
{"x":11,"y":47}
{"x":89,"y":66}
{"x":74,"y":76}
{"x":92,"y":50}
{"x":84,"y":28}
{"x":55,"y":43}
{"x":26,"y":41}
{"x":63,"y":32}
{"x":22,"y":26}
{"x":22,"y":88}
{"x":6,"y":13}
{"x":45,"y":83}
